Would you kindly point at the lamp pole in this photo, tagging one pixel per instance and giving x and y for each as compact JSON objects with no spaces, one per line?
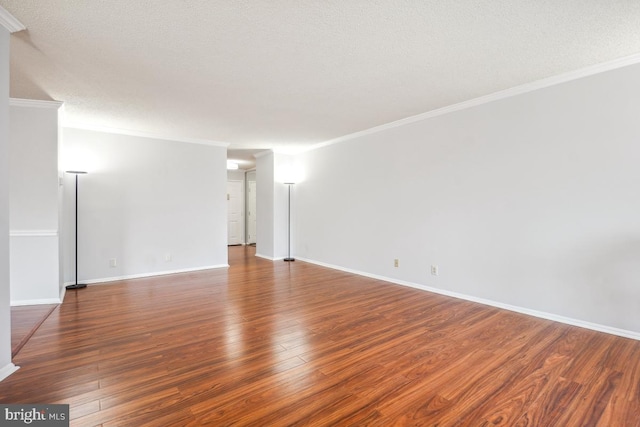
{"x":289,"y":258}
{"x":76,"y":285}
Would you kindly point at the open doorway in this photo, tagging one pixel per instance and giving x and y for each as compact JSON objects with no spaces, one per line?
{"x":241,"y":196}
{"x":241,"y":208}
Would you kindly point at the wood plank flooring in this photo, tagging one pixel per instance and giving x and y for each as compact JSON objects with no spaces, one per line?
{"x":282,"y":344}
{"x":25,"y":320}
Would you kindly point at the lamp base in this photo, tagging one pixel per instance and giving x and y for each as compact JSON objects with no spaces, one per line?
{"x":289,"y":259}
{"x":76,"y":286}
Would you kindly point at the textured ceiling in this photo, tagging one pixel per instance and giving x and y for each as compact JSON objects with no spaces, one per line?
{"x":278,"y":73}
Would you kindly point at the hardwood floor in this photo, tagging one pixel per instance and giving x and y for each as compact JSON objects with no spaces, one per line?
{"x":279,"y":344}
{"x":25,"y":320}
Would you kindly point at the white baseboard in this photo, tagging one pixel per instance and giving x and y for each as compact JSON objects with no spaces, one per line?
{"x":269,"y":258}
{"x":535,"y":313}
{"x":36,"y":302}
{"x":143,"y":275}
{"x":7,"y":370}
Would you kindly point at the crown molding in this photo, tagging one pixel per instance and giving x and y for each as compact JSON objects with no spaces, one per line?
{"x":105,"y":129}
{"x":10,"y":22}
{"x":35,"y":103}
{"x":262,"y":154}
{"x":507,"y":93}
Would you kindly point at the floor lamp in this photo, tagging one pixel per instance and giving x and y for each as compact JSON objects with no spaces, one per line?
{"x":289,"y":259}
{"x":76,"y":285}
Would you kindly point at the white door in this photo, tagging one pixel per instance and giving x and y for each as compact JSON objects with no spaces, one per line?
{"x":235,"y":215}
{"x":251,"y":212}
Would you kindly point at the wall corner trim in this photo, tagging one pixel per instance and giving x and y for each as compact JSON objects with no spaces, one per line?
{"x":7,"y":370}
{"x":35,"y":103}
{"x":269,"y":258}
{"x":10,"y":22}
{"x":535,"y":313}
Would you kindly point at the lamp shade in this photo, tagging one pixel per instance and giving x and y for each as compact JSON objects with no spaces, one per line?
{"x":288,"y":174}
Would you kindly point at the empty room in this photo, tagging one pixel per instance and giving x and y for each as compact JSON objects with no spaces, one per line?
{"x":326,"y":213}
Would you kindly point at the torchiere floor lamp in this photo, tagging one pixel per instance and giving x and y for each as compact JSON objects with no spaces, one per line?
{"x":76,"y":285}
{"x":289,"y":258}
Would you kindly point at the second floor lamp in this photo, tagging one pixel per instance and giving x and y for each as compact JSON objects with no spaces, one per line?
{"x":76,"y":285}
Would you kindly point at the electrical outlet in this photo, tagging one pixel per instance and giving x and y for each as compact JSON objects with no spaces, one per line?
{"x":395,"y":262}
{"x":434,"y":270}
{"x":167,"y":258}
{"x":113,"y":263}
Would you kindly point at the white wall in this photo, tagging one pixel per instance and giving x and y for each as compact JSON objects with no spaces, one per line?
{"x":272,"y":207}
{"x":265,"y":205}
{"x":34,"y":202}
{"x":62,"y":261}
{"x":143,"y":199}
{"x":282,"y":166}
{"x":530,"y":202}
{"x":6,"y":367}
{"x":250,"y":207}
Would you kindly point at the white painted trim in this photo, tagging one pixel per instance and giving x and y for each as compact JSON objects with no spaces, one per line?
{"x":143,"y":275}
{"x":8,"y":370}
{"x":35,"y":103}
{"x":268,"y":257}
{"x":496,"y":96}
{"x":105,"y":129}
{"x":535,"y":313}
{"x":262,"y":154}
{"x":19,"y":303}
{"x":33,"y":233}
{"x":10,"y":22}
